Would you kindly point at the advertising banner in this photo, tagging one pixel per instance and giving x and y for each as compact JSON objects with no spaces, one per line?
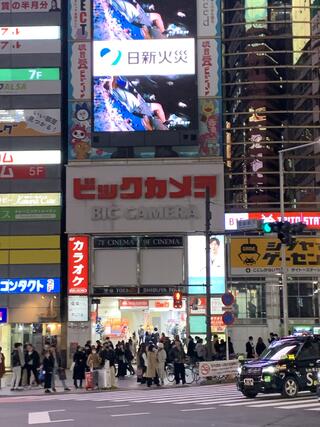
{"x":144,"y":66}
{"x":16,"y":47}
{"x":22,"y":172}
{"x":80,"y":19}
{"x":41,"y":157}
{"x":80,"y":70}
{"x":3,"y":315}
{"x":30,"y":88}
{"x":30,"y":122}
{"x":133,"y":303}
{"x":312,"y":219}
{"x":30,"y":33}
{"x":30,"y":214}
{"x":209,"y":84}
{"x":197,"y":264}
{"x":30,"y":199}
{"x":198,"y":305}
{"x":21,"y":6}
{"x":78,"y":306}
{"x":151,"y":196}
{"x":262,"y":256}
{"x":30,"y":286}
{"x":16,"y":74}
{"x":210,"y":137}
{"x":209,"y":21}
{"x":78,"y":265}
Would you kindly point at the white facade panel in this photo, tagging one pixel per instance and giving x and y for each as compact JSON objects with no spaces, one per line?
{"x":162,"y":266}
{"x":115,"y":267}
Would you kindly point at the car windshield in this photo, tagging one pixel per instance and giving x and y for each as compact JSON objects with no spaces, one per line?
{"x":279,"y":350}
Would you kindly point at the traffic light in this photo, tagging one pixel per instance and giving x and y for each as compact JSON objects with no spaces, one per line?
{"x":285,"y":230}
{"x":177,"y":299}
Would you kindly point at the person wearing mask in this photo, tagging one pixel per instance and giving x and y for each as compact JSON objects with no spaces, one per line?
{"x":16,"y":362}
{"x":32,"y":364}
{"x":94,"y":360}
{"x":2,"y":365}
{"x":250,"y":348}
{"x":58,"y":369}
{"x":178,"y":357}
{"x":79,"y":368}
{"x":161,"y":359}
{"x":152,"y":366}
{"x":260,"y":347}
{"x":47,"y":367}
{"x":142,"y":363}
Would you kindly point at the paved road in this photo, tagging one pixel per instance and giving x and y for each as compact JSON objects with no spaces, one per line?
{"x":207,"y":406}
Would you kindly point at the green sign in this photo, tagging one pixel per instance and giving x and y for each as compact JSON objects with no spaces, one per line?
{"x":36,"y":213}
{"x":13,"y":74}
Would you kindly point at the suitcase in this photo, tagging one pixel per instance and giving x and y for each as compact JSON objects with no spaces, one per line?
{"x":89,"y":380}
{"x":104,"y":380}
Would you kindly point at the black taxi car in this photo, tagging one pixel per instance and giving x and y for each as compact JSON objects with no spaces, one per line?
{"x":287,"y":366}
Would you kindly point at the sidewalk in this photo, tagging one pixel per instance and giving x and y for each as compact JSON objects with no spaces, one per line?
{"x":128,"y":383}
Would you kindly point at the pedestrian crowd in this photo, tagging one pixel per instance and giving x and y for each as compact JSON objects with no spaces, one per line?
{"x":255,"y":350}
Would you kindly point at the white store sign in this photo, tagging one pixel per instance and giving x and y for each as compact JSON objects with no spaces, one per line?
{"x":40,"y":157}
{"x":78,"y":308}
{"x":145,"y":197}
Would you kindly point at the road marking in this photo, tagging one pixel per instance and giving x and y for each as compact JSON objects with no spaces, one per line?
{"x":313,"y":409}
{"x":196,"y":409}
{"x":293,"y":402}
{"x":307,"y":405}
{"x":44,"y":417}
{"x":112,"y":406}
{"x":130,"y":415}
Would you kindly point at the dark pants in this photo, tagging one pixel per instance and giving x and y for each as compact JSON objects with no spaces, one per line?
{"x":155,"y":380}
{"x":47,"y":380}
{"x":75,"y":382}
{"x":179,"y":373}
{"x":32,"y":369}
{"x":122,"y":369}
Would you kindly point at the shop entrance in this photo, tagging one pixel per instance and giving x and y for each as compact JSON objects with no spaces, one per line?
{"x":118,"y":317}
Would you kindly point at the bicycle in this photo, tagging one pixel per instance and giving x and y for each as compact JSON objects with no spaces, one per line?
{"x":189,"y":373}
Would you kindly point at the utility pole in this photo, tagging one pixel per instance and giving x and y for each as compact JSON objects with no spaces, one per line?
{"x":208,"y":277}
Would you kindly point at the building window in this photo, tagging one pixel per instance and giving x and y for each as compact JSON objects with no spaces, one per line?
{"x":302,"y":299}
{"x":250,"y":301}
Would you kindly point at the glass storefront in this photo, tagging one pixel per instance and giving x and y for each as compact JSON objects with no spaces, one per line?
{"x":118,"y":318}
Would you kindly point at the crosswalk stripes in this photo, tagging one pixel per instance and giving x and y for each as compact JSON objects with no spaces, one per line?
{"x":202,"y":397}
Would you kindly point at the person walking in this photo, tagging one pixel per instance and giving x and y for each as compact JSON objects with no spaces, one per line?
{"x":2,"y":365}
{"x":129,"y":358}
{"x":80,"y":365}
{"x":58,"y":369}
{"x":47,"y":367}
{"x":32,"y":364}
{"x":16,"y":362}
{"x":260,"y":347}
{"x":141,"y":334}
{"x":135,"y":344}
{"x":142,"y":363}
{"x":108,"y":355}
{"x":161,"y":359}
{"x":178,"y":356}
{"x":250,"y":348}
{"x":152,"y":366}
{"x":121,"y":359}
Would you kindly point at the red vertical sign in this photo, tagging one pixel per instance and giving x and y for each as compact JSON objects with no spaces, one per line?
{"x":78,"y":265}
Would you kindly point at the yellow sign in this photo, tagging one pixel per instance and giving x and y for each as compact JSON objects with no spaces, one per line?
{"x":30,"y":199}
{"x":262,"y":256}
{"x":301,"y":26}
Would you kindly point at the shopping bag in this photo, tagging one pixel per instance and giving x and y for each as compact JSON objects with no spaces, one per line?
{"x":89,"y":380}
{"x":62,"y":374}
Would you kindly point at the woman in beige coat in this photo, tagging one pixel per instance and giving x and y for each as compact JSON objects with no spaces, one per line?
{"x":152,"y":366}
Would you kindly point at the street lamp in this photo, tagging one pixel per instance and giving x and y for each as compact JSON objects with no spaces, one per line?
{"x":284,"y":270}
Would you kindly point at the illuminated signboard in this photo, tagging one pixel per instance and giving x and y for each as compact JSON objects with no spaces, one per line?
{"x":21,"y":6}
{"x":30,"y":199}
{"x":144,"y":66}
{"x":41,"y":157}
{"x":197,"y":264}
{"x":3,"y":315}
{"x":29,"y":286}
{"x":30,"y":122}
{"x":312,"y":219}
{"x":42,"y":87}
{"x":78,"y":265}
{"x":78,"y":308}
{"x":33,"y":213}
{"x":30,"y":33}
{"x":22,"y":172}
{"x":29,"y":46}
{"x":11,"y":74}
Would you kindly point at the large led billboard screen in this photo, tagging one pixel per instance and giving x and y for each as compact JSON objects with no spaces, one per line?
{"x":144,"y":65}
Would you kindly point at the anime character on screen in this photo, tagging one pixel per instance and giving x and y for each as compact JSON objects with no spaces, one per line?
{"x":127,"y":19}
{"x":134,"y":109}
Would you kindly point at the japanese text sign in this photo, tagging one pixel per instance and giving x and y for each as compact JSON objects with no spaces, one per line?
{"x":30,"y":286}
{"x":20,"y":6}
{"x":78,"y":265}
{"x":262,"y":256}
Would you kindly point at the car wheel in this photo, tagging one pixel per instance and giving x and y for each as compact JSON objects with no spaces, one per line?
{"x":290,"y":387}
{"x":249,"y":394}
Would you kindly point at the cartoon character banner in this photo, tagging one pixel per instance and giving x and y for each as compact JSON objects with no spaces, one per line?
{"x":210,"y":127}
{"x":30,"y":123}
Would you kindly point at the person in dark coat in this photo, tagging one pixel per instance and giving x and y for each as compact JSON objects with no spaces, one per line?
{"x":121,"y":359}
{"x":47,"y":366}
{"x":32,"y":363}
{"x":250,"y":348}
{"x":191,"y":349}
{"x":260,"y":347}
{"x":129,"y":358}
{"x":80,"y":359}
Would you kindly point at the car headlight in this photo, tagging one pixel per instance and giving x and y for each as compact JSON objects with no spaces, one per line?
{"x":269,"y":370}
{"x":239,"y":370}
